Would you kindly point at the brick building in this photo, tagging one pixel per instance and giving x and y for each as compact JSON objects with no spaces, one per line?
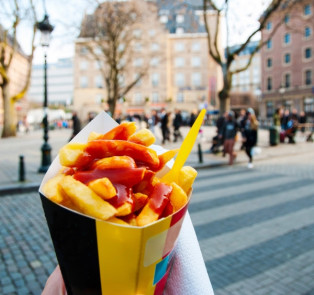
{"x":288,"y":61}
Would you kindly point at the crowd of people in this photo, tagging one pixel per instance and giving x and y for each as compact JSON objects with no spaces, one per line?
{"x":228,"y":125}
{"x":287,"y":123}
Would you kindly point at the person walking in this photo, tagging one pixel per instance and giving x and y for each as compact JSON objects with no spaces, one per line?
{"x":229,"y":132}
{"x":165,"y":126}
{"x":177,"y":123}
{"x":250,"y":126}
{"x":76,"y":125}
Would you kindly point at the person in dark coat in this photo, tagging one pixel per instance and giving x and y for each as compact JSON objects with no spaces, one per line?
{"x":229,"y":132}
{"x":76,"y":125}
{"x":165,"y":126}
{"x":177,"y":123}
{"x":249,"y":134}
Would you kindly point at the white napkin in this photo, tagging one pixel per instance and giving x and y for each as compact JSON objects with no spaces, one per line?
{"x":188,"y":274}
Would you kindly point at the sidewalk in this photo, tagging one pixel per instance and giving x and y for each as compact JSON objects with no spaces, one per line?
{"x":29,"y":145}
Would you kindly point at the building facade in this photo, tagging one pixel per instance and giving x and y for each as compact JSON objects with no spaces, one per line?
{"x":60,"y":76}
{"x":180,"y":73}
{"x":288,"y":61}
{"x":18,"y":77}
{"x":246,"y":85}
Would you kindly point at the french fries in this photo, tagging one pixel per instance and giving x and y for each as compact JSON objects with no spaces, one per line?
{"x":113,"y":177}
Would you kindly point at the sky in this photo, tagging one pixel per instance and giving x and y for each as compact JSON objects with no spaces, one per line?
{"x":66,"y":16}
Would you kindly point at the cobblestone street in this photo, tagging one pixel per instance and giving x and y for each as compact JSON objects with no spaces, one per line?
{"x":255,"y":226}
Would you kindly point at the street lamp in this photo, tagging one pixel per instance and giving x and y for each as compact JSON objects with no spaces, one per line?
{"x":45,"y":28}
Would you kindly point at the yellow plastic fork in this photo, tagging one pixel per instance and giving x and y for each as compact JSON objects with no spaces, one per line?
{"x":185,"y":150}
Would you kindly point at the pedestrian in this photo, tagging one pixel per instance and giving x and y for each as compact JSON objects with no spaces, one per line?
{"x":217,"y":140}
{"x":177,"y":123}
{"x":76,"y":125}
{"x":192,"y":118}
{"x":239,"y":121}
{"x":302,"y":121}
{"x":229,"y":132}
{"x":250,"y":124}
{"x":165,"y":126}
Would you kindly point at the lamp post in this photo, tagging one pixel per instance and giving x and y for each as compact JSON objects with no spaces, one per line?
{"x":282,"y":91}
{"x":45,"y":28}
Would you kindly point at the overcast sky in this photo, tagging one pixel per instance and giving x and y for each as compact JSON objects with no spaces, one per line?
{"x":66,"y":16}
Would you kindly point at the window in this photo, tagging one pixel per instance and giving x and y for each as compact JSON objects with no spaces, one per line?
{"x":137,"y":33}
{"x":269,"y":44}
{"x":180,"y":97}
{"x":196,"y":61}
{"x":83,"y":82}
{"x":152,"y":33}
{"x":308,"y":52}
{"x":287,"y":38}
{"x":138,"y":98}
{"x":98,"y":64}
{"x":268,"y":26}
{"x":179,"y":80}
{"x":196,"y":46}
{"x":155,"y":47}
{"x":287,"y":80}
{"x":179,"y":30}
{"x":307,"y":32}
{"x":98,"y":98}
{"x":287,"y":18}
{"x":179,"y":62}
{"x":307,"y":9}
{"x":196,"y":79}
{"x":179,"y":46}
{"x":98,"y":50}
{"x":138,"y":62}
{"x":121,"y":47}
{"x":98,"y":82}
{"x":164,"y":19}
{"x":269,"y":83}
{"x":83,"y":50}
{"x":138,"y":47}
{"x":180,"y":18}
{"x":155,"y":79}
{"x":154,"y":62}
{"x":287,"y":58}
{"x":155,"y":97}
{"x":83,"y":65}
{"x":269,"y":62}
{"x":308,"y":77}
{"x":139,"y":82}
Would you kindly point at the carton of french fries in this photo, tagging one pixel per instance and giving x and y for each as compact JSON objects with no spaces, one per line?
{"x":113,"y":221}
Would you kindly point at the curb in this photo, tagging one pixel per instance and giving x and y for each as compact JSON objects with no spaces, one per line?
{"x":18,"y":189}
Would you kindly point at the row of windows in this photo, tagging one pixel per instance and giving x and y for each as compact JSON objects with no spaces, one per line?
{"x":287,"y":38}
{"x":307,"y":54}
{"x":178,"y":46}
{"x":180,"y":80}
{"x":155,"y":97}
{"x":307,"y":10}
{"x":308,"y":80}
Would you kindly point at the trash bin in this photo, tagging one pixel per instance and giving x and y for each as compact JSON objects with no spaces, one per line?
{"x":273,"y":136}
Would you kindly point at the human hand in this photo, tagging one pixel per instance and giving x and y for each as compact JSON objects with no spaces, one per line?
{"x":55,"y":284}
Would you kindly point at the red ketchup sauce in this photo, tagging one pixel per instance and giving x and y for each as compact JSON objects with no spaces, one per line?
{"x":160,"y":197}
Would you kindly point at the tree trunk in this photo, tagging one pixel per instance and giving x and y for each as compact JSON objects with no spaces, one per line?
{"x":224,"y":101}
{"x":112,"y":105}
{"x":9,"y":114}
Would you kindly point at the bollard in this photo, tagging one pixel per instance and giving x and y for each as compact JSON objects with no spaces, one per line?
{"x":21,"y":169}
{"x":200,"y":155}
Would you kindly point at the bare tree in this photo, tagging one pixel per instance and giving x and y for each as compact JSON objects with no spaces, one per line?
{"x":14,"y":12}
{"x":226,"y":59}
{"x":112,"y":40}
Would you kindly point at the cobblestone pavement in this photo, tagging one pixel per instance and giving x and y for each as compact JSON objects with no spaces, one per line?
{"x":256,"y":229}
{"x":255,"y":226}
